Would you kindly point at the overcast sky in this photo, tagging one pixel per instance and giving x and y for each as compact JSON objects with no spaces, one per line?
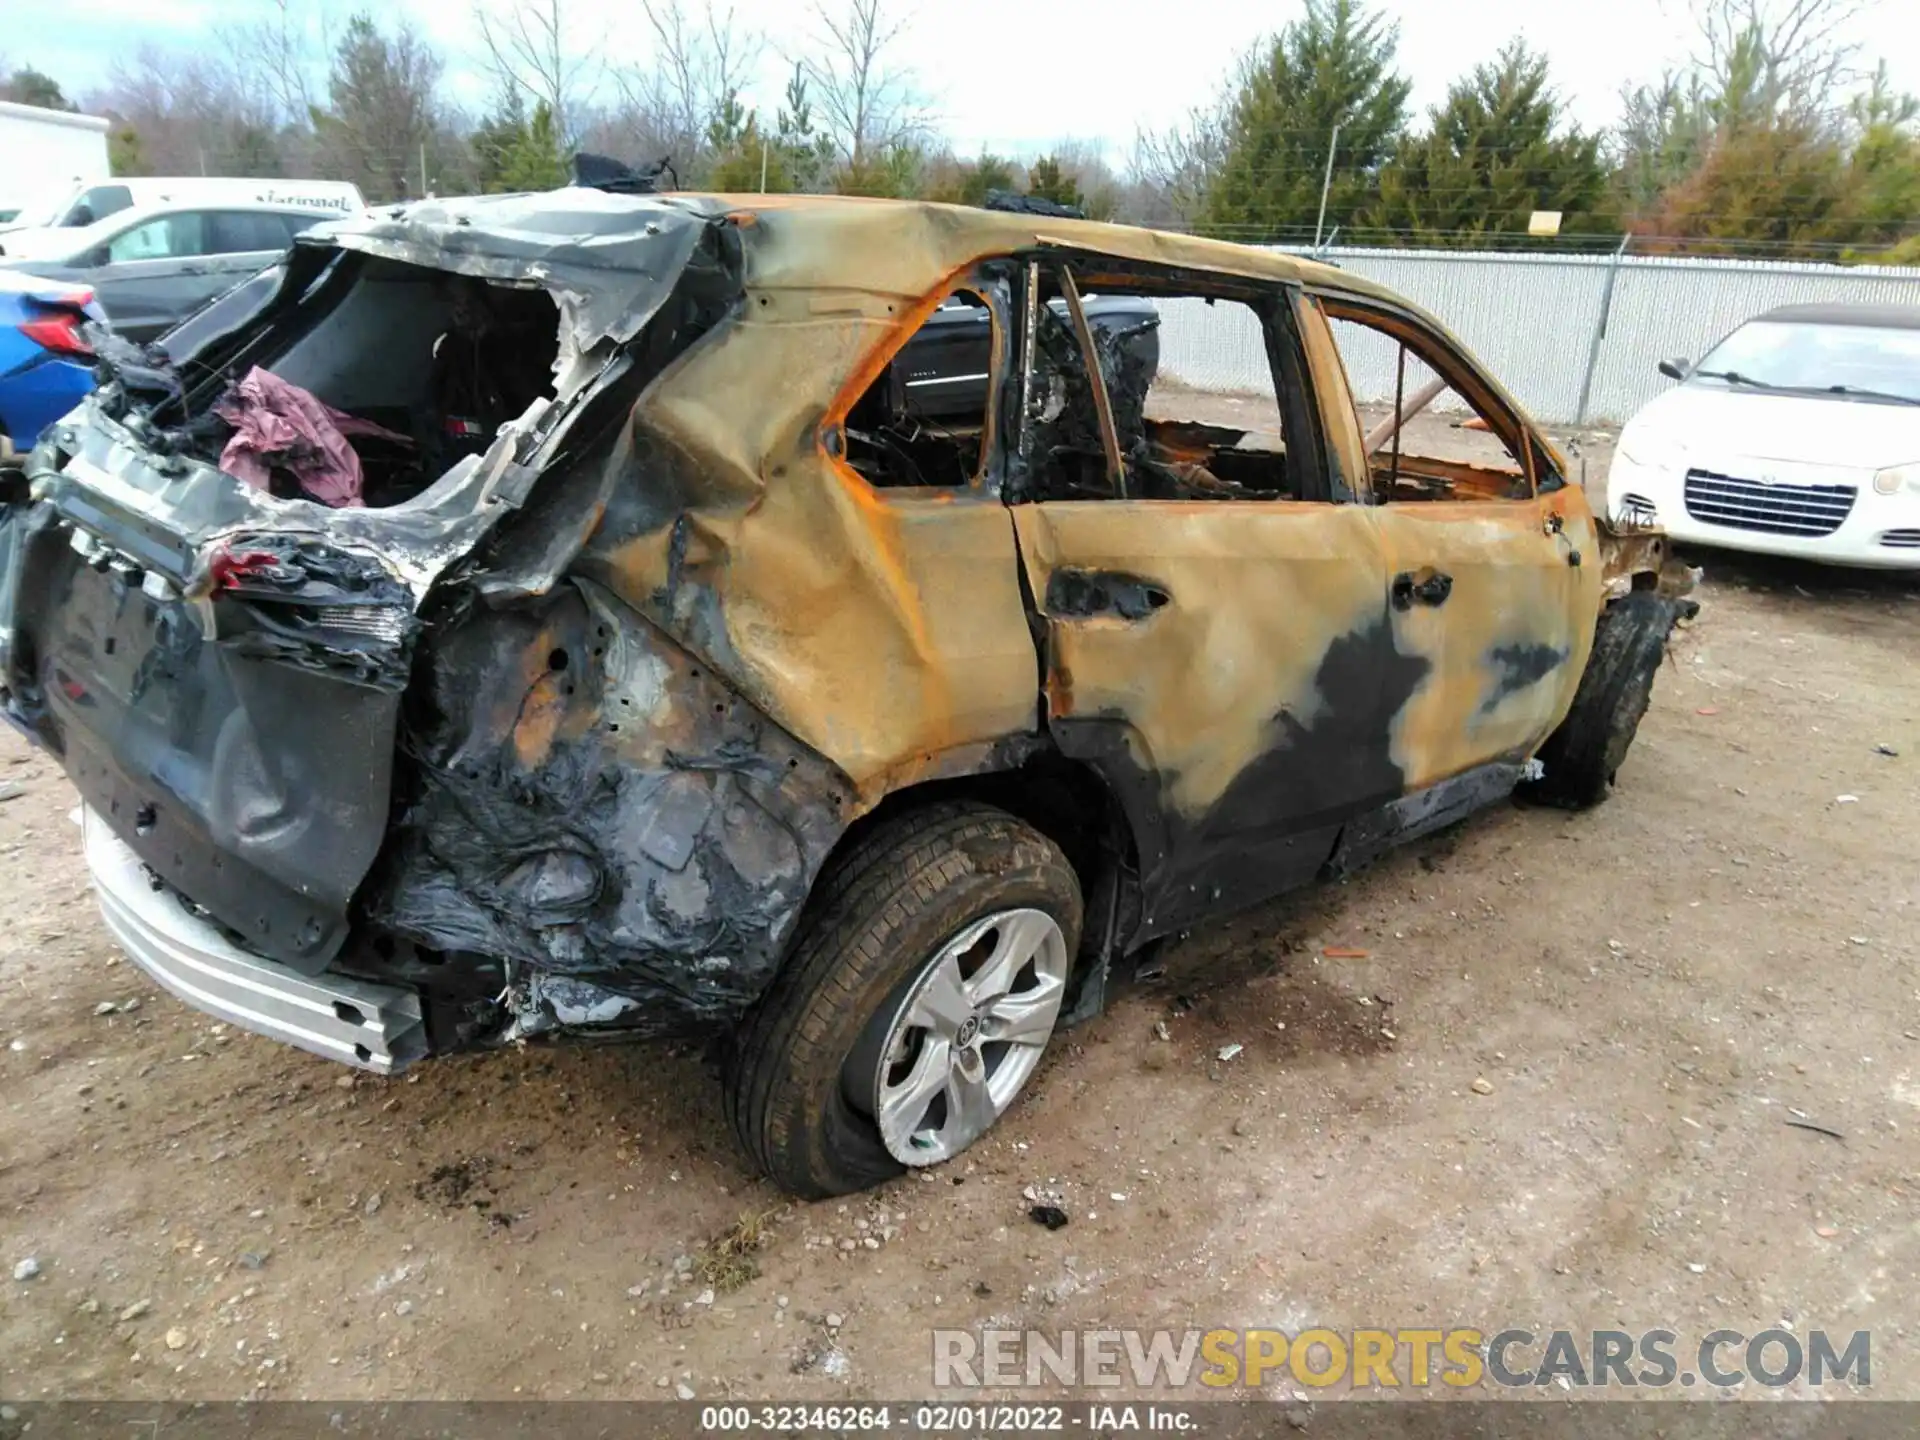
{"x":1017,"y":75}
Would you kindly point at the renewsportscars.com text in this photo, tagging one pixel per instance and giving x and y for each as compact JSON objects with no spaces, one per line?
{"x":1411,"y":1359}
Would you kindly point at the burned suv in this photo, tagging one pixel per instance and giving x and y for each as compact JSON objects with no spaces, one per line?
{"x":548,"y":616}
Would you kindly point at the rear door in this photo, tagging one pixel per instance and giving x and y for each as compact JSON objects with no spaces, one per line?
{"x":1493,"y":570}
{"x":1216,"y":631}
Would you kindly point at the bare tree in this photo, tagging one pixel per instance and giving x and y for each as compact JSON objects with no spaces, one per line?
{"x":533,"y":49}
{"x":685,"y":102}
{"x":868,"y":104}
{"x":281,"y":51}
{"x":195,"y":113}
{"x":1791,"y":55}
{"x":1170,"y":169}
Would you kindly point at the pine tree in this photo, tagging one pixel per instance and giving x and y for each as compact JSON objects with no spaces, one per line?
{"x":1491,"y":155}
{"x":533,"y":160}
{"x":1333,"y":66}
{"x":1883,"y":172}
{"x":806,"y":152}
{"x":28,"y":86}
{"x":1046,"y":179}
{"x":967,"y":182}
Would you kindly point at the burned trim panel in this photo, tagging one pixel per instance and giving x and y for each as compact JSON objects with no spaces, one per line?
{"x":596,"y":806}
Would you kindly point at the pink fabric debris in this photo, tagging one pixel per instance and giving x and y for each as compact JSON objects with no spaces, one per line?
{"x":279,"y":426}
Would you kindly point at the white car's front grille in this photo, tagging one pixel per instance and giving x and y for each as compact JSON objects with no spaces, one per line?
{"x":1901,"y":539}
{"x":1805,"y":510}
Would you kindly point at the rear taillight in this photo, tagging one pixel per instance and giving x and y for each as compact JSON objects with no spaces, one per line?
{"x":58,"y":328}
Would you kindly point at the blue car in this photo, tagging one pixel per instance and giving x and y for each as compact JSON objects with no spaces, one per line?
{"x":46,"y":362}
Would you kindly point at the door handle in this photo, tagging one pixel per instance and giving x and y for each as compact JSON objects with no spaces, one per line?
{"x":1431,"y":590}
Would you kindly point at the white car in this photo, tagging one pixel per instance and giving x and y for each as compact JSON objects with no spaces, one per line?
{"x":1798,"y":434}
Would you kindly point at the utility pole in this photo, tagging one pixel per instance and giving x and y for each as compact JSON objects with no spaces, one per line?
{"x":423,"y":169}
{"x":763,"y":164}
{"x":1326,"y":184}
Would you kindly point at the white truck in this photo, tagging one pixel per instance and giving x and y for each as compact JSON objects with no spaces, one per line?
{"x":43,"y":152}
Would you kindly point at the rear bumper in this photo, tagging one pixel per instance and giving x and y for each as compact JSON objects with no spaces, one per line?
{"x":357,"y":1022}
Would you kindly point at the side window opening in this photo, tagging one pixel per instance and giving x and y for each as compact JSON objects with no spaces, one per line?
{"x":1425,"y":437}
{"x":170,"y":237}
{"x":926,"y":420}
{"x":1176,"y":440}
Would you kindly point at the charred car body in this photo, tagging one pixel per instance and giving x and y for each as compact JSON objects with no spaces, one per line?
{"x":696,"y":681}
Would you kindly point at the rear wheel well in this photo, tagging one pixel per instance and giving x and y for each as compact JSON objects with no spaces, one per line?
{"x":1065,"y":800}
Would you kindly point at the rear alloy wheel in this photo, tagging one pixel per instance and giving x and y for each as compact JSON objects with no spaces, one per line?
{"x":967,"y":1036}
{"x":921,"y":991}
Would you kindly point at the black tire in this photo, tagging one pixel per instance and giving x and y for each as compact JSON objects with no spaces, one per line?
{"x":877,"y":915}
{"x":1581,"y":758}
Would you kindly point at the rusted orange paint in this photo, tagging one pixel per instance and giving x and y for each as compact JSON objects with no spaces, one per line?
{"x":888,"y":631}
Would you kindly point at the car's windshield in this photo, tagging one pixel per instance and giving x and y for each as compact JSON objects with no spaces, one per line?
{"x":43,"y":207}
{"x":1803,"y":355}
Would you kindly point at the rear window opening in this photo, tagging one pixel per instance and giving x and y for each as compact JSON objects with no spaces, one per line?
{"x":923,"y":421}
{"x":431,"y":365}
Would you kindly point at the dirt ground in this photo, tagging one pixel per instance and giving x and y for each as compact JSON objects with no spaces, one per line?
{"x":1650,"y":993}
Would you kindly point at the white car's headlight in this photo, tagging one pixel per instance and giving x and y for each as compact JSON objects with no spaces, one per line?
{"x":1894,"y":478}
{"x":1647,"y":452}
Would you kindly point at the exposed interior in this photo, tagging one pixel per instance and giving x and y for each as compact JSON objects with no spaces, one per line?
{"x":923,"y":421}
{"x":441,"y":361}
{"x":1478,"y":451}
{"x":1166,"y":451}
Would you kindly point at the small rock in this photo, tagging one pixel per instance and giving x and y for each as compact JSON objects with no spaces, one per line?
{"x":176,"y":1339}
{"x":136,"y":1310}
{"x":1696,"y":1267}
{"x":106,"y":1007}
{"x":345,"y":1082}
{"x":1846,"y":799}
{"x":89,"y":1306}
{"x":127,"y":1007}
{"x":639,"y":1292}
{"x":1825,"y":1232}
{"x":1227,"y":1052}
{"x":27,"y":1269}
{"x":11,"y":790}
{"x":1482,"y":1086}
{"x":847,"y":1245}
{"x":1051,"y":1216}
{"x":1240,"y":1125}
{"x":683,"y":1390}
{"x":835,"y":1320}
{"x":661,"y":1382}
{"x":252,"y":1259}
{"x":869,"y":1243}
{"x":405,"y":1307}
{"x":16,"y":1046}
{"x":705,"y":1297}
{"x":780,"y":1301}
{"x":372,"y":1207}
{"x":1160,"y":1031}
{"x":1885,"y":750}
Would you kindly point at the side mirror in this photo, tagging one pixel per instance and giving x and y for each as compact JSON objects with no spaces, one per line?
{"x":1674,"y":369}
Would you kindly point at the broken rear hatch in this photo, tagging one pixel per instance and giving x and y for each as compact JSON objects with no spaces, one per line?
{"x":220,"y":668}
